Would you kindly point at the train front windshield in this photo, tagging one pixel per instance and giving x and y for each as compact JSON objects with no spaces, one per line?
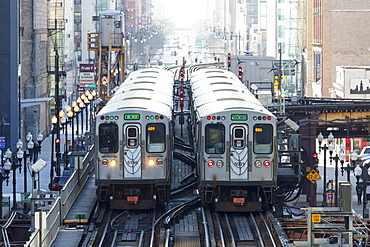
{"x":263,"y":138}
{"x":155,"y":137}
{"x":215,"y":138}
{"x":108,"y":138}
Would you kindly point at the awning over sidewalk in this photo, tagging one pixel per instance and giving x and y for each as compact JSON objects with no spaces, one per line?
{"x":34,"y":101}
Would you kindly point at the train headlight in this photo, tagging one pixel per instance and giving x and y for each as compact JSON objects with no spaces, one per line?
{"x":151,"y":162}
{"x":258,"y":163}
{"x":159,"y":162}
{"x":113,"y":163}
{"x":211,"y":163}
{"x":219,"y":163}
{"x":267,"y":163}
{"x":104,"y":162}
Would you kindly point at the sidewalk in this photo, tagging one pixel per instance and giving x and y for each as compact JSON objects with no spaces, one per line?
{"x":44,"y":176}
{"x":301,"y":202}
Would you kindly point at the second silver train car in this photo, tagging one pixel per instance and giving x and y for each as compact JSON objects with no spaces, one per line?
{"x":134,"y":142}
{"x":235,"y":143}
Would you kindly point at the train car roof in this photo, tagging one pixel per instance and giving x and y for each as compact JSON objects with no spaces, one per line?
{"x":213,"y":81}
{"x":218,"y":88}
{"x":150,"y":72}
{"x":148,"y":78}
{"x":223,"y":107}
{"x":146,"y":87}
{"x":206,"y":72}
{"x":224,"y":96}
{"x":159,"y":96}
{"x":137,"y":106}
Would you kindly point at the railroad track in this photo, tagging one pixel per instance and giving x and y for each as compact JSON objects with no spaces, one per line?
{"x":239,"y":229}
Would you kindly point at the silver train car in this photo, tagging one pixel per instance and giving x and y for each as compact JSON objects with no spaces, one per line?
{"x":134,"y":143}
{"x":235,"y":143}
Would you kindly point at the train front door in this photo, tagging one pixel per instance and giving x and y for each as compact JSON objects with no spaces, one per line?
{"x":239,"y":152}
{"x":132,"y":151}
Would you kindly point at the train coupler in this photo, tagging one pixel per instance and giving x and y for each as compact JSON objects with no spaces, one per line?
{"x":208,"y":195}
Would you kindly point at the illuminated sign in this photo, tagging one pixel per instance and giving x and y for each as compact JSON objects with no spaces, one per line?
{"x":258,"y":129}
{"x":151,"y":128}
{"x":240,"y":117}
{"x":131,"y":116}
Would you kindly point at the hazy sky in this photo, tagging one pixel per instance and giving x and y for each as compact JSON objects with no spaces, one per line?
{"x":183,"y":13}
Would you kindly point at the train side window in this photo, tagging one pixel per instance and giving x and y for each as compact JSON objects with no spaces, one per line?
{"x":108,"y":138}
{"x":238,"y":137}
{"x":215,"y":138}
{"x":262,"y":138}
{"x":132,"y":136}
{"x":155,"y":138}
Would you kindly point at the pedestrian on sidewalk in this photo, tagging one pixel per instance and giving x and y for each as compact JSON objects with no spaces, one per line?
{"x":329,"y":185}
{"x":359,"y":191}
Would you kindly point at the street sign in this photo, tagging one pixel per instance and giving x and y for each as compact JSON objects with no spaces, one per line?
{"x":6,"y":202}
{"x":316,"y":218}
{"x":2,"y":142}
{"x":25,"y":197}
{"x":313,"y":176}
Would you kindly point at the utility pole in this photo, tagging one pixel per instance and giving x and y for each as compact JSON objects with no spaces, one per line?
{"x":57,"y":110}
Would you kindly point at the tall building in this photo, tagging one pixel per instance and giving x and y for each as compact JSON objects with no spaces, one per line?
{"x":9,"y":46}
{"x":35,"y":84}
{"x":338,"y":37}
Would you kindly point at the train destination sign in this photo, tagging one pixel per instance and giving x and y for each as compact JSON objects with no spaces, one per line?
{"x":131,"y":117}
{"x":239,"y":117}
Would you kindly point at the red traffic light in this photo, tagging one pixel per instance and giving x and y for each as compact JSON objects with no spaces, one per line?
{"x":240,"y":70}
{"x":181,"y":98}
{"x":181,"y":92}
{"x":57,"y":141}
{"x":314,"y":155}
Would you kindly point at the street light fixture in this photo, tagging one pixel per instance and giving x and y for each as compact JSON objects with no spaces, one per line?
{"x":76,"y":109}
{"x":70,"y":115}
{"x":54,"y":121}
{"x":40,"y":138}
{"x":342,"y":156}
{"x":361,"y":171}
{"x":9,"y":164}
{"x":30,"y":146}
{"x":330,"y":147}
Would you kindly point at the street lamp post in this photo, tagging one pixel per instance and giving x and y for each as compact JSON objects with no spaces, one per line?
{"x":320,"y":138}
{"x":361,"y":171}
{"x":76,"y":109}
{"x":30,"y":146}
{"x":4,"y":174}
{"x":5,"y":169}
{"x":81,"y":105}
{"x":353,"y":157}
{"x":19,"y":155}
{"x":336,"y":159}
{"x":64,"y":123}
{"x":70,"y":115}
{"x":54,"y":122}
{"x":10,"y":163}
{"x":365,"y":175}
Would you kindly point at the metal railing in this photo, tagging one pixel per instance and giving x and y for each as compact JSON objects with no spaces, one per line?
{"x":45,"y":235}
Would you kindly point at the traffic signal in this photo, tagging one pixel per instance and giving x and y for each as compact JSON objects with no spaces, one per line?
{"x":182,"y":102}
{"x":181,"y":92}
{"x":57,"y":145}
{"x":228,"y":61}
{"x":240,"y":73}
{"x":315,"y":159}
{"x":181,"y":74}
